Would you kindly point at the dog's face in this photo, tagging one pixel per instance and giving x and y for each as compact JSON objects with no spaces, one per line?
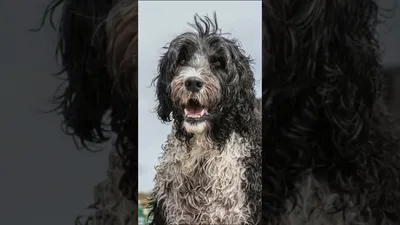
{"x":199,"y":77}
{"x":195,"y":88}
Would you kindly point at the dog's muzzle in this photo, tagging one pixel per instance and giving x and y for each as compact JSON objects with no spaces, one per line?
{"x":193,"y":109}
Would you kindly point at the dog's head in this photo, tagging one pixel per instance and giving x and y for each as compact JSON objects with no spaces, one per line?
{"x":202,"y":77}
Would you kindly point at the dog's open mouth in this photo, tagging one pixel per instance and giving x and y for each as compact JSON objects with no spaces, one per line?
{"x":193,"y":109}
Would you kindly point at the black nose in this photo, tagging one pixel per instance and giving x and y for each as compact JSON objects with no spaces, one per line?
{"x":193,"y":84}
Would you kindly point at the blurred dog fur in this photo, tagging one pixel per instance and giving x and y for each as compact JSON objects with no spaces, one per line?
{"x":97,"y":44}
{"x":331,"y":156}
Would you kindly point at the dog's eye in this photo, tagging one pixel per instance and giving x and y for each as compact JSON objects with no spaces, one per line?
{"x":216,"y":64}
{"x":182,"y":62}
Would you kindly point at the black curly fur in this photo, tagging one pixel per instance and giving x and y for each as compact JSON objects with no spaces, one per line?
{"x":322,"y":107}
{"x":84,"y":98}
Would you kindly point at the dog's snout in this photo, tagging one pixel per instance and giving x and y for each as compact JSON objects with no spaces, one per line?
{"x":193,"y":84}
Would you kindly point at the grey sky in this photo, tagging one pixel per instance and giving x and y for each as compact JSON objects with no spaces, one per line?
{"x":158,"y":26}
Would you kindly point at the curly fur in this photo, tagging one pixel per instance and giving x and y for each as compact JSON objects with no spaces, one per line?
{"x":97,"y":43}
{"x":212,"y":176}
{"x":332,"y":154}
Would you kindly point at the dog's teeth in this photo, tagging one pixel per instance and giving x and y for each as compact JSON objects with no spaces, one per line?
{"x":196,"y":115}
{"x":193,"y":115}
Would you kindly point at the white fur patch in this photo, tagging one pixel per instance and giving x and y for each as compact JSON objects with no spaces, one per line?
{"x":203,"y":185}
{"x":197,"y":128}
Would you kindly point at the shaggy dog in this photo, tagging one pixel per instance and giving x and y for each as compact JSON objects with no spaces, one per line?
{"x":330,"y":154}
{"x":210,"y":168}
{"x":97,"y":42}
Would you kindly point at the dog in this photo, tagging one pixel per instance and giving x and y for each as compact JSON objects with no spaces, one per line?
{"x":209,"y":172}
{"x":97,"y":44}
{"x":331,"y":156}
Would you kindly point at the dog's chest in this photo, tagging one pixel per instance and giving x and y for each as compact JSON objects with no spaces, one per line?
{"x":203,"y":185}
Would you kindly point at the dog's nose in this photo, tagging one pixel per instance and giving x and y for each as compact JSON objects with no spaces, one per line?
{"x":193,"y":84}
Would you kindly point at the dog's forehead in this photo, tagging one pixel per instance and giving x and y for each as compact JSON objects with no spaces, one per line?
{"x":203,"y":49}
{"x":199,"y":59}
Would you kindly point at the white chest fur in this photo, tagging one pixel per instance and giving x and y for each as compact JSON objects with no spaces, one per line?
{"x":203,"y":184}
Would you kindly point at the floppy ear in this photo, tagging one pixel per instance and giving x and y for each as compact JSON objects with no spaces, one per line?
{"x":241,"y":70}
{"x":85,"y":97}
{"x":166,"y":69}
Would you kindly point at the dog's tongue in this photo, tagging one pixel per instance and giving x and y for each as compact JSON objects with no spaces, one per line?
{"x":195,"y":111}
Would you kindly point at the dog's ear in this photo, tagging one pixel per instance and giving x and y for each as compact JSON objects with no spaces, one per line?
{"x":85,"y":97}
{"x":241,"y":69}
{"x":162,"y":82}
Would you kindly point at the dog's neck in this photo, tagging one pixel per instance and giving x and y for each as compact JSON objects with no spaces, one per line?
{"x":198,"y":145}
{"x":193,"y":140}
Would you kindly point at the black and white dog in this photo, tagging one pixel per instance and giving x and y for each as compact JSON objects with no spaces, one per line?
{"x":210,"y":170}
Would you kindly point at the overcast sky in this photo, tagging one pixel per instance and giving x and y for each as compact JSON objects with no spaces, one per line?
{"x":158,"y":26}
